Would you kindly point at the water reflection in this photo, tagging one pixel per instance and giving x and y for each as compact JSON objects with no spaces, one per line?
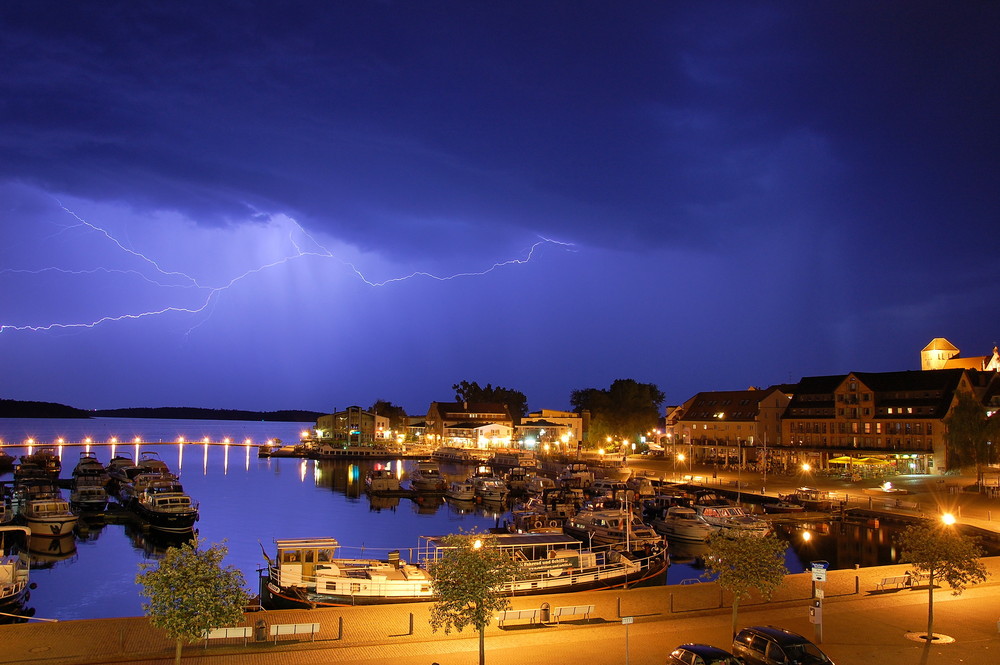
{"x":47,"y":551}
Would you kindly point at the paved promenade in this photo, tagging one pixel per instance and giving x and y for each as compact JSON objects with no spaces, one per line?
{"x":861,"y":623}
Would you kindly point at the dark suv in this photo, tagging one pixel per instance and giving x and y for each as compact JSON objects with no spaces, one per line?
{"x":767,"y":645}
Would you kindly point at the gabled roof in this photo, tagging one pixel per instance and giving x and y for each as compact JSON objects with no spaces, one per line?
{"x":732,"y":404}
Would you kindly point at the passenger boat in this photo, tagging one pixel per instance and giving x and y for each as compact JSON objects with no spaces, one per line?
{"x":505,"y":460}
{"x":722,"y":515}
{"x":461,"y":490}
{"x":15,"y":568}
{"x":309,"y":574}
{"x":617,"y":528}
{"x":682,"y":524}
{"x":455,"y":455}
{"x":427,"y":477}
{"x":381,"y":480}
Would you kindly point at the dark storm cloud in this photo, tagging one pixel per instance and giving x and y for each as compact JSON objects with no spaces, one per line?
{"x":666,"y":123}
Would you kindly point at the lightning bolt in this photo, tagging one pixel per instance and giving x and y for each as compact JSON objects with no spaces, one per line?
{"x":211,"y":293}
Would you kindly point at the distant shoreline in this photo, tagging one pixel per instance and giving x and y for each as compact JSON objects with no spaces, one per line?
{"x":10,"y":408}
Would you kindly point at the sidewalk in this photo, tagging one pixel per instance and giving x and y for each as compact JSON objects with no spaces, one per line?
{"x":858,"y":625}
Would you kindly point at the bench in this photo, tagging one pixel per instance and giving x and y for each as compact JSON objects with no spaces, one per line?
{"x":246,"y":632}
{"x":571,"y":611}
{"x":294,"y":629}
{"x":897,"y":582}
{"x":532,"y":616}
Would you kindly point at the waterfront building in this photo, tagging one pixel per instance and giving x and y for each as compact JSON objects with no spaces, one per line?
{"x":354,"y":426}
{"x":560,"y":430}
{"x":727,"y":425}
{"x":884,"y":418}
{"x":462,"y":423}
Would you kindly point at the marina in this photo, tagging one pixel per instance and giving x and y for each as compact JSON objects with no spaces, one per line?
{"x":250,"y":503}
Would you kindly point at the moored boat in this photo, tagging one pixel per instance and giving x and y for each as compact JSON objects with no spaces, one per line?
{"x":381,"y":480}
{"x":15,"y":567}
{"x":461,"y":490}
{"x":308,"y":573}
{"x":683,"y":524}
{"x":427,"y":477}
{"x":46,"y":459}
{"x":616,"y":528}
{"x":169,"y":511}
{"x":48,"y":516}
{"x":724,"y":515}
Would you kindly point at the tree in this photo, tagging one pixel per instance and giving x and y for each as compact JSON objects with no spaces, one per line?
{"x":515,"y":400}
{"x":190,"y":592}
{"x":969,"y":434}
{"x":744,"y":562}
{"x":469,"y":582}
{"x":626,"y":410}
{"x":940,"y":551}
{"x":395,"y":414}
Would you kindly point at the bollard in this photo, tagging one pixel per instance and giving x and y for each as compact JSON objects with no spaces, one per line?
{"x":411,"y":624}
{"x":340,"y":628}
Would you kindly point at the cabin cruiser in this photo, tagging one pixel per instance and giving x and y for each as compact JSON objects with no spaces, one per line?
{"x":122,"y":468}
{"x":88,"y":495}
{"x":381,"y":480}
{"x":427,"y":477}
{"x":517,"y":479}
{"x":46,"y":459}
{"x":309,"y":573}
{"x":15,"y":567}
{"x":91,"y":468}
{"x":166,"y":510}
{"x":48,"y":516}
{"x":576,"y":474}
{"x":490,"y":488}
{"x":456,"y":455}
{"x":611,"y":527}
{"x":723,"y":515}
{"x":539,"y":484}
{"x":682,"y":524}
{"x":461,"y":490}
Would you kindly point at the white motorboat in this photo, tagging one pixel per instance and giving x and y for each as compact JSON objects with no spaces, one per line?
{"x":682,"y":524}
{"x":490,"y":488}
{"x":427,"y":477}
{"x":722,"y":514}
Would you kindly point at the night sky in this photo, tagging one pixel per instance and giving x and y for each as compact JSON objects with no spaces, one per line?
{"x":314,"y":204}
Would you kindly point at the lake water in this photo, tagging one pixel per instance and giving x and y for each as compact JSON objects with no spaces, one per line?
{"x":249,"y":502}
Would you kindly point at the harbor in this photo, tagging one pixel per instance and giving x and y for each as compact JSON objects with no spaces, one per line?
{"x":276,"y":498}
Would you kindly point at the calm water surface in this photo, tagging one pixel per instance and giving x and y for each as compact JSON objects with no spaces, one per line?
{"x":250,"y":502}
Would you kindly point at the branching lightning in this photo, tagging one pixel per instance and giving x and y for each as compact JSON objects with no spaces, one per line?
{"x":210,"y":293}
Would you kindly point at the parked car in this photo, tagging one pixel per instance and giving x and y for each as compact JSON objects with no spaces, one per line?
{"x":768,"y":645}
{"x":700,"y":654}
